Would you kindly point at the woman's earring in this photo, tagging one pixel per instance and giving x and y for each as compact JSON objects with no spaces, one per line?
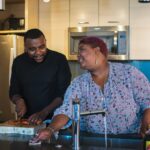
{"x":96,"y":62}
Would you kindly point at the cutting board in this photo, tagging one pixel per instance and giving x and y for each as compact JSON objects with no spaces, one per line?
{"x":20,"y":127}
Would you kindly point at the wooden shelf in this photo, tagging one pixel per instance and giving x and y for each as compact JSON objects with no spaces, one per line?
{"x":11,"y":31}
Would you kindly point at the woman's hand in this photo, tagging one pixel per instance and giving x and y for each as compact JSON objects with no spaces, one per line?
{"x":57,"y":123}
{"x":43,"y":134}
{"x":145,"y":124}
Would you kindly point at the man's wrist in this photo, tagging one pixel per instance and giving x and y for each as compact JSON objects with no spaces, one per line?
{"x":16,"y":98}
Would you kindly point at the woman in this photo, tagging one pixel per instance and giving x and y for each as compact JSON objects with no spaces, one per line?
{"x":120,"y":89}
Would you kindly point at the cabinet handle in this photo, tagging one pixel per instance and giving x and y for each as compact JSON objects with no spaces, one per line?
{"x":113,"y":22}
{"x":83,"y":22}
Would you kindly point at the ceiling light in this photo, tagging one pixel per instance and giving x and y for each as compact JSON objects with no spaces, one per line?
{"x":2,"y":4}
{"x":46,"y":1}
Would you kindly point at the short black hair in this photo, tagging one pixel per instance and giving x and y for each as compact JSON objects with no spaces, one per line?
{"x":33,"y":34}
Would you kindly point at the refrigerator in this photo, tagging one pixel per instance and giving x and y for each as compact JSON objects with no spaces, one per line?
{"x":10,"y":46}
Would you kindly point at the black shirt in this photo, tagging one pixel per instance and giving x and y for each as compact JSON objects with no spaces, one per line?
{"x":39,"y":83}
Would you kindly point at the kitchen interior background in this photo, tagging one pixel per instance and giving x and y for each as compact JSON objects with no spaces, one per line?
{"x":142,"y":65}
{"x":56,"y":16}
{"x":73,"y":13}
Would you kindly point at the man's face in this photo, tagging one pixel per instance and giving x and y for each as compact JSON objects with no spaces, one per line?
{"x":36,"y":48}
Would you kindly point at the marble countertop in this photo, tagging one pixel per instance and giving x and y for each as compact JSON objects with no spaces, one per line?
{"x":88,"y":141}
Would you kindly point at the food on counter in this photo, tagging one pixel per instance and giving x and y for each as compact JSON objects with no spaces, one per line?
{"x":20,"y":126}
{"x":20,"y":122}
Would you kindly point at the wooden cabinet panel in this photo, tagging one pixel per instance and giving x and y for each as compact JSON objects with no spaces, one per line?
{"x":139,"y":30}
{"x":31,"y":14}
{"x":55,"y":16}
{"x":139,"y":14}
{"x":113,"y":12}
{"x":139,"y":43}
{"x":25,"y":10}
{"x":83,"y":13}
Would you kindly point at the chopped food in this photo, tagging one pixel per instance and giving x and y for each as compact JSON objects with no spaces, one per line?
{"x":20,"y":122}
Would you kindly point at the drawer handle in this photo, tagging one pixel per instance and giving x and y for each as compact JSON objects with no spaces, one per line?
{"x":113,"y":22}
{"x":83,"y":22}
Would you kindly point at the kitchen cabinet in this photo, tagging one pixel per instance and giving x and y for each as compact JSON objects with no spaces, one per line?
{"x":19,"y":16}
{"x":55,"y":16}
{"x":99,"y":12}
{"x":31,"y":14}
{"x":83,"y":13}
{"x":113,"y":12}
{"x":139,"y":30}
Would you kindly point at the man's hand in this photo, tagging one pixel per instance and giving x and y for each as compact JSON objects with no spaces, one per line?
{"x":21,"y":108}
{"x":145,"y":125}
{"x":38,"y":117}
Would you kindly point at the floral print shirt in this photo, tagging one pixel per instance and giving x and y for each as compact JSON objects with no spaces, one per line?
{"x":125,"y":96}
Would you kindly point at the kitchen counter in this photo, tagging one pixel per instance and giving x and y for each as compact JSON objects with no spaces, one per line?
{"x":64,"y":142}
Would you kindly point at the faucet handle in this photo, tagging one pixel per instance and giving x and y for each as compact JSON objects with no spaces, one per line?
{"x":76,"y":109}
{"x":76,"y":101}
{"x":85,"y":113}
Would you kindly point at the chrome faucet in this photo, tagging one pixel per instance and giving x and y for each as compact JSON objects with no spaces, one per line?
{"x":76,"y":122}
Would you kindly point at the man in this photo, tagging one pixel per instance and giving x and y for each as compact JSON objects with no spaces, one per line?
{"x":39,"y":79}
{"x":119,"y":89}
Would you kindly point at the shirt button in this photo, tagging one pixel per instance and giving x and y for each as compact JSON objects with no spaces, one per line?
{"x":102,"y":98}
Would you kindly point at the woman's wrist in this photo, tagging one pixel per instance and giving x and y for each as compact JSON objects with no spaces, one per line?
{"x":51,"y":129}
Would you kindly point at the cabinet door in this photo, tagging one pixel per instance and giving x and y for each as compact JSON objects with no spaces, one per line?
{"x":19,"y":16}
{"x":83,"y":13}
{"x":9,"y":18}
{"x":139,"y":30}
{"x":31,"y":14}
{"x":54,"y":22}
{"x":113,"y":12}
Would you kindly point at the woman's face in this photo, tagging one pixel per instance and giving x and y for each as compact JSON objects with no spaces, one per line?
{"x":86,"y":56}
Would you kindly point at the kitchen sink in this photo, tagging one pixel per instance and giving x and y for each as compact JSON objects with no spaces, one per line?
{"x":127,"y":141}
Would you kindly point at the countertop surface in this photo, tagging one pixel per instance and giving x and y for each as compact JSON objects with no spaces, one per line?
{"x":64,"y":142}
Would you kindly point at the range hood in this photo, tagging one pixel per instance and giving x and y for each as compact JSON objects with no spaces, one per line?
{"x":2,"y":4}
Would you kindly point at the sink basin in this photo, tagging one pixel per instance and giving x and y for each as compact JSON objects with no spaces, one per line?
{"x":130,"y":141}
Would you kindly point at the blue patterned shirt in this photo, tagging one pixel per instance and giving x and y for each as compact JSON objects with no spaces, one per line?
{"x":125,"y":96}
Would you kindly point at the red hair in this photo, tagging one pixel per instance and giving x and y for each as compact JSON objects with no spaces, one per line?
{"x":95,"y":42}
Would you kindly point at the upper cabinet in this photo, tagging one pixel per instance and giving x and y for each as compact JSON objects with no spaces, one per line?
{"x":84,"y":13}
{"x":139,"y":30}
{"x":99,"y":12}
{"x":19,"y":16}
{"x":113,"y":12}
{"x":56,"y":16}
{"x":31,"y":14}
{"x":54,"y":22}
